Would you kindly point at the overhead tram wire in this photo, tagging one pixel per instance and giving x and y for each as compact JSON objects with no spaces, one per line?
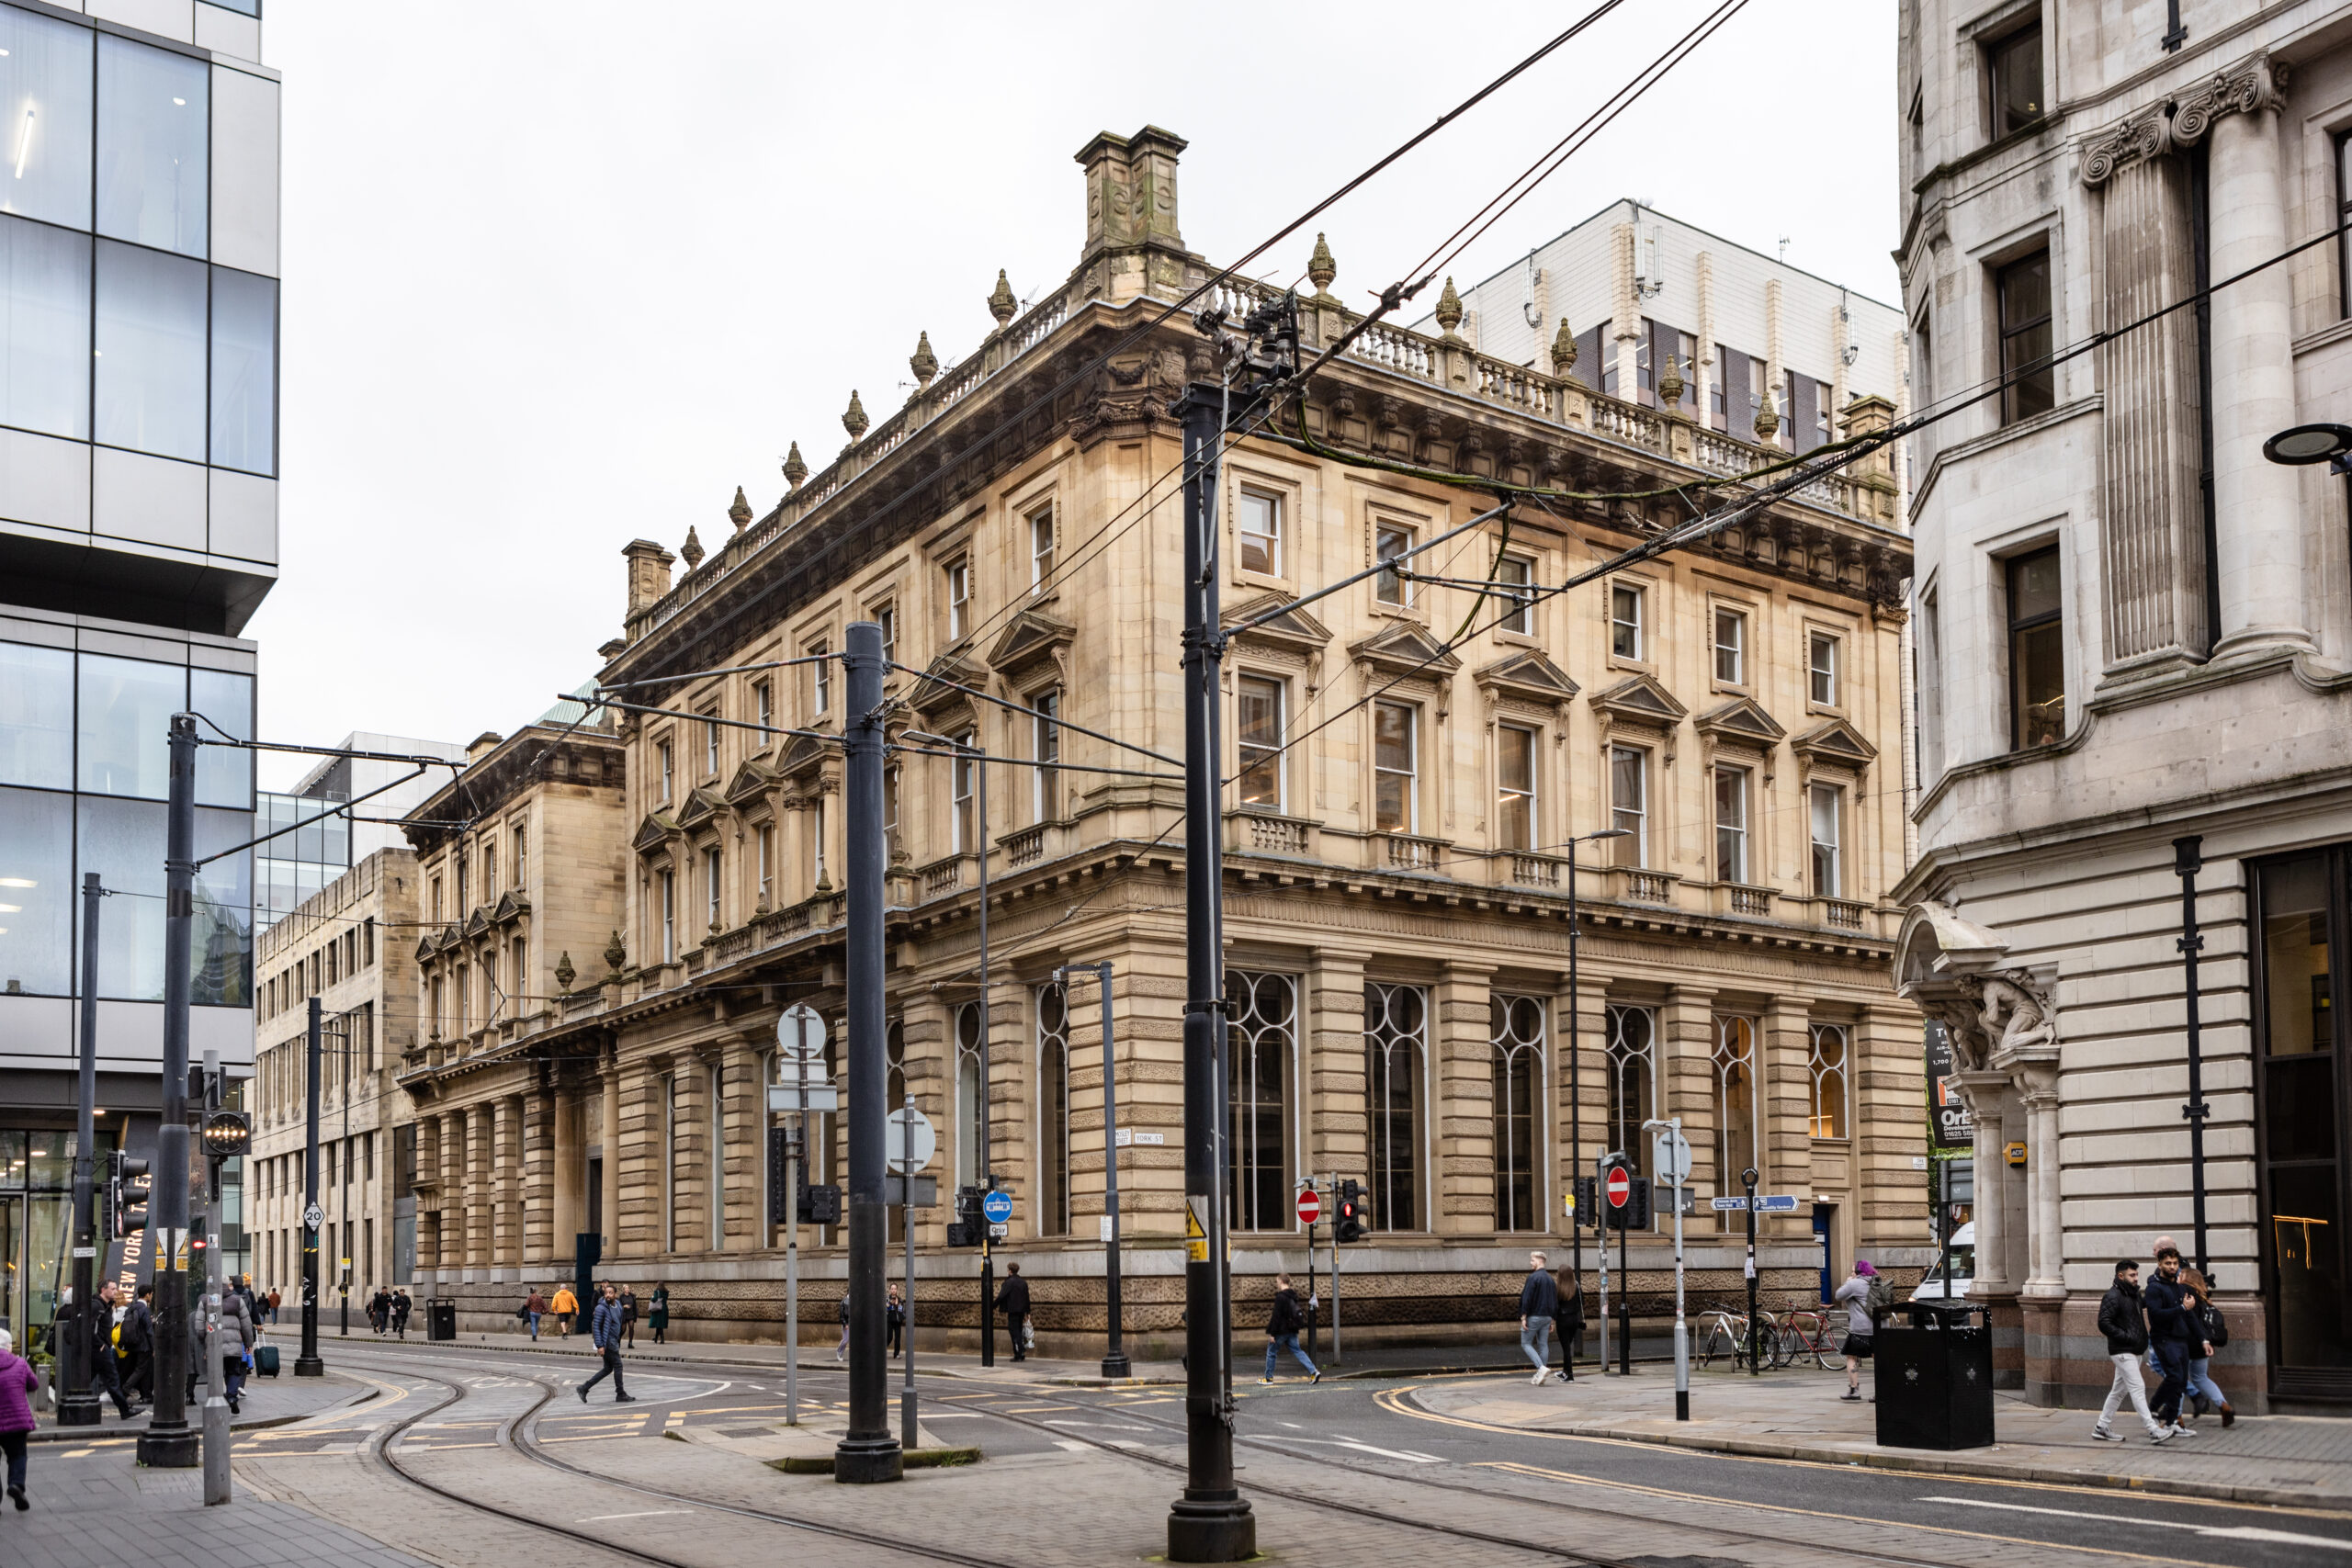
{"x":1850,"y":451}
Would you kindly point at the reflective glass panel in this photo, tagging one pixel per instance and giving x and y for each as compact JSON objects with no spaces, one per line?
{"x":44,"y":118}
{"x":45,"y":330}
{"x":224,"y":774}
{"x":125,"y":725}
{"x":153,"y":178}
{"x":122,"y":841}
{"x":151,"y":352}
{"x":222,"y":933}
{"x":245,"y":371}
{"x":36,"y":715}
{"x":36,"y":892}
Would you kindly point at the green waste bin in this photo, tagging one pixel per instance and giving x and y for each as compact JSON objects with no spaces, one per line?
{"x":1933,"y":1371}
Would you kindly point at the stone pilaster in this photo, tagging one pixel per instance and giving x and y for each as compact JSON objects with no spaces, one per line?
{"x":505,"y":1208}
{"x":539,"y":1177}
{"x":1684,"y":1052}
{"x":1462,"y":1121}
{"x":1331,"y":1043}
{"x":745,"y":1126}
{"x":1785,"y":1109}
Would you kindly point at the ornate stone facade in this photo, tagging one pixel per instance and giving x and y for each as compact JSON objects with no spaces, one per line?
{"x":1400,"y":791}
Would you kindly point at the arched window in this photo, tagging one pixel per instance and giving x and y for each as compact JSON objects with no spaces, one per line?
{"x":971,"y":1122}
{"x":1052,"y":1109}
{"x":1633,"y":1082}
{"x":1734,"y":1095}
{"x":1516,"y":1025}
{"x":1396,"y":1024}
{"x":1832,"y":1099}
{"x":1258,"y":1056}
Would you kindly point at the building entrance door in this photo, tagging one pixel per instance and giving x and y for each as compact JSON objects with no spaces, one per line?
{"x":2301,"y":1123}
{"x":1825,"y":1230}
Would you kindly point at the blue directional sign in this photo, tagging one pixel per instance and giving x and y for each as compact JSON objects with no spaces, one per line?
{"x":1781,"y":1203}
{"x":997,"y":1207}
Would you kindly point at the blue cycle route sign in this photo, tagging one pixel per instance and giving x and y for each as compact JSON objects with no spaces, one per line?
{"x":998,"y":1207}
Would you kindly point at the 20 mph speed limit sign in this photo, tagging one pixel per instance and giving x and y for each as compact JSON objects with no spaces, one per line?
{"x":1310,"y":1207}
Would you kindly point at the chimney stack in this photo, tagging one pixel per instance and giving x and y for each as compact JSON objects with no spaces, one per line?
{"x":1132,"y":245}
{"x":649,"y":572}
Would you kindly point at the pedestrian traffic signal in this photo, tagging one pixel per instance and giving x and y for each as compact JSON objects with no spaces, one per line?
{"x":1347,"y":1222}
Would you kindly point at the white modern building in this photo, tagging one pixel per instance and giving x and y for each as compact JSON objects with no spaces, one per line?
{"x":1635,"y":287}
{"x":2134,"y":643}
{"x":294,"y":865}
{"x":139,"y":322}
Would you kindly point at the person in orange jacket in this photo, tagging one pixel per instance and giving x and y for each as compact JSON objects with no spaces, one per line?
{"x":564,"y":1305}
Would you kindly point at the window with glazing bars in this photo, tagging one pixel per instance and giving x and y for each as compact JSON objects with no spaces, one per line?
{"x":1396,"y":1022}
{"x":1261,"y":1039}
{"x":1052,"y":1109}
{"x":1831,"y":1095}
{"x":1515,"y":1027}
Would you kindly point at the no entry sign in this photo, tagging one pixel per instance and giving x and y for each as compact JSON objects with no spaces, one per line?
{"x":1621,"y":1187}
{"x":1310,"y":1207}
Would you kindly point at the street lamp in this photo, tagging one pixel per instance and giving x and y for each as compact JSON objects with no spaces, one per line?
{"x":2304,"y":443}
{"x":1575,"y":1090}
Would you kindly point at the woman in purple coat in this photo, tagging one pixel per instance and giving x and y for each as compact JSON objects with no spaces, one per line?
{"x":17,"y":1384}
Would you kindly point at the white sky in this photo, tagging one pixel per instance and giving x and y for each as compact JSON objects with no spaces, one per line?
{"x":561,"y":275}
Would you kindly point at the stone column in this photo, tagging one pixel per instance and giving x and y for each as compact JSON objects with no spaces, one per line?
{"x":538,"y":1175}
{"x":2259,"y":536}
{"x":1984,"y":1092}
{"x":2046,"y":1235}
{"x":505,"y":1140}
{"x":565,"y":1198}
{"x":1461,"y":1123}
{"x":479,"y":1195}
{"x":608,"y":1136}
{"x":746,"y":1155}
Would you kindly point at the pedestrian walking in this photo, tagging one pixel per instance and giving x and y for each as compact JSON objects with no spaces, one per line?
{"x":16,"y":1385}
{"x":235,"y":1347}
{"x":274,"y":1299}
{"x":402,"y":1307}
{"x":1570,"y":1324}
{"x":1285,"y":1318}
{"x":604,"y":1330}
{"x":1861,"y":1322}
{"x":894,"y":1317}
{"x":629,"y":1315}
{"x":1539,"y":1303}
{"x":379,"y":1311}
{"x":2212,"y":1332}
{"x":840,"y":1351}
{"x":104,"y":1373}
{"x":565,"y":1306}
{"x":535,"y":1307}
{"x":659,"y":1318}
{"x":138,"y":1344}
{"x":2170,"y":1332}
{"x":2124,"y":1319}
{"x":1013,"y":1300}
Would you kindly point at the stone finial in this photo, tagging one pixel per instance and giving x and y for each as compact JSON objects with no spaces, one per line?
{"x":1563,"y":349}
{"x":1669,"y":387}
{"x":692,"y":549}
{"x":794,"y":471}
{"x":1001,"y":304}
{"x":924,"y":364}
{"x":854,"y":418}
{"x":741,"y":513}
{"x":614,"y":954}
{"x":1768,"y":417}
{"x":1448,"y":309}
{"x":1321,"y":269}
{"x":564,"y":972}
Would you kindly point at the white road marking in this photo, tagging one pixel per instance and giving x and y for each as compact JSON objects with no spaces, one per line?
{"x":1405,"y":1454}
{"x":1106,"y":1425}
{"x":2211,"y":1533}
{"x":1072,"y":1444}
{"x":650,"y":1513}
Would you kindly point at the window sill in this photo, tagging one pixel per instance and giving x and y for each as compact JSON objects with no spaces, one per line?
{"x":1244,"y":578}
{"x":1518,"y":639}
{"x":1731,"y":689}
{"x":1638,"y":666}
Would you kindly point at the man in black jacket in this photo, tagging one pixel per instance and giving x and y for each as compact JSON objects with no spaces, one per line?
{"x":139,"y":1338}
{"x":105,"y":1374}
{"x":2122,"y":1318}
{"x":1285,"y":1318}
{"x":2171,"y":1330}
{"x":1539,"y":1303}
{"x":1013,"y":1300}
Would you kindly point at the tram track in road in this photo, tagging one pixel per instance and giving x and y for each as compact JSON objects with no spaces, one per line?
{"x":382,"y":1448}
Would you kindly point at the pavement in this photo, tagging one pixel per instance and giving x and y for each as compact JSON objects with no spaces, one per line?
{"x":1797,"y":1414}
{"x":267,"y":1401}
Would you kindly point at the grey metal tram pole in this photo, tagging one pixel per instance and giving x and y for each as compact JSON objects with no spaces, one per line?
{"x":1114,"y":1358}
{"x":1575,"y":1130}
{"x":867,"y":1452}
{"x":988,"y":1115}
{"x":2189,"y":859}
{"x":77,"y":1402}
{"x":307,"y":1364}
{"x":1211,"y":1522}
{"x":909,"y":1426}
{"x":169,"y":1442}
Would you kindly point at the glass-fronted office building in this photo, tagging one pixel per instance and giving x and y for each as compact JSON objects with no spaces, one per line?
{"x":138,"y":396}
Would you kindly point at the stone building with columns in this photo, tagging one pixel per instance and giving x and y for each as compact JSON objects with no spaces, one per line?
{"x":2135,"y":655}
{"x":1400,"y":790}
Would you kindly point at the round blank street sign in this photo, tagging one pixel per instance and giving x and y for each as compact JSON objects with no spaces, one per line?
{"x":801,"y":1030}
{"x":1621,"y":1187}
{"x":1310,"y":1207}
{"x":926,"y":1142}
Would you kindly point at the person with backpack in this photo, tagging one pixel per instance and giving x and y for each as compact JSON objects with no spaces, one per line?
{"x":1865,"y":1295}
{"x":2214,"y":1332}
{"x":1568,"y":1326}
{"x":1283,"y":1321}
{"x":138,"y":1346}
{"x":2123,"y":1320}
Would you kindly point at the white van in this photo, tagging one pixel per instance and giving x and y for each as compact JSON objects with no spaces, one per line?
{"x":1954,"y":1271}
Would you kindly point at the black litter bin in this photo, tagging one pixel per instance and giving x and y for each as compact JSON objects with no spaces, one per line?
{"x":441,"y":1318}
{"x":1934,"y":1376}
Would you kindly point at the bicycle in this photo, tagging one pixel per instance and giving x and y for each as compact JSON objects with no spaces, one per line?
{"x":1727,"y":1335}
{"x":1818,"y":1332}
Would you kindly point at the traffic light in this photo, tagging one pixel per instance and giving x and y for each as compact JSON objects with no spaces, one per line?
{"x":820,"y":1205}
{"x":1347,"y":1222}
{"x":127,"y":1195}
{"x":1633,"y":1214}
{"x":968,"y":1228}
{"x":779,"y":1168}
